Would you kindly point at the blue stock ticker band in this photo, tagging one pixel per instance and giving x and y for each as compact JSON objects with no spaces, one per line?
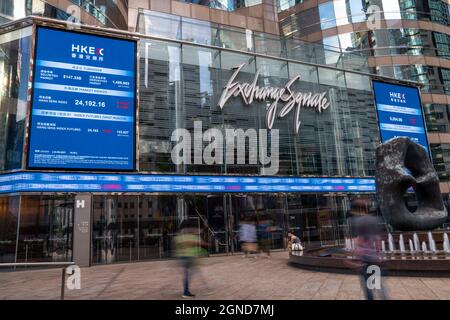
{"x":89,"y":182}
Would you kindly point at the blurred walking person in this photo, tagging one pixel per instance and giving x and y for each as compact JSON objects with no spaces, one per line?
{"x":367,"y":233}
{"x":264,"y":235}
{"x":188,"y":246}
{"x":247,"y":237}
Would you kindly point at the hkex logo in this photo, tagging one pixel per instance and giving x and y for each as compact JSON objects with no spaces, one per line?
{"x":77,"y":48}
{"x":397,"y":97}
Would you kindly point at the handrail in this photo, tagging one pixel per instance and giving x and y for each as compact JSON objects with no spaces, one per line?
{"x":211,"y":232}
{"x":36,"y":264}
{"x":44,"y":264}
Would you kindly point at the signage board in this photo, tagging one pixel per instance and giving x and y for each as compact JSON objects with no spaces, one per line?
{"x":400,"y":112}
{"x":83,"y":102}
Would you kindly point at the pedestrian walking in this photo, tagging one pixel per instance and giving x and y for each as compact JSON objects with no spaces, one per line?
{"x":264,"y":235}
{"x":188,"y":246}
{"x":367,"y":258}
{"x":247,"y":237}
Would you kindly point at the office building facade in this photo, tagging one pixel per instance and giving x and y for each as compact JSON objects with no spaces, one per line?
{"x":401,"y":39}
{"x":100,"y":214}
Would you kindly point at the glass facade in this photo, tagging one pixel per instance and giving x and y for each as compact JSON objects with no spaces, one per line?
{"x":286,"y":4}
{"x":228,"y":5}
{"x":441,"y":159}
{"x":159,"y":24}
{"x":110,"y":13}
{"x":180,"y":84}
{"x":385,"y":37}
{"x":406,"y":41}
{"x":129,"y":228}
{"x":45,"y":228}
{"x":9,"y":217}
{"x":36,"y":228}
{"x":133,"y":228}
{"x":14,"y":71}
{"x":340,"y":12}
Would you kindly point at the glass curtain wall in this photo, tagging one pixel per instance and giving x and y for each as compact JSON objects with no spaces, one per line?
{"x":140,"y":227}
{"x":180,"y":88}
{"x":14,"y":63}
{"x":9,"y":217}
{"x":131,"y":228}
{"x":45,"y":228}
{"x":44,"y":225}
{"x":208,"y":33}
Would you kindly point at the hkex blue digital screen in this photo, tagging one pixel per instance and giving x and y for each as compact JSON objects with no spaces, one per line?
{"x":400,"y":112}
{"x":83,"y":105}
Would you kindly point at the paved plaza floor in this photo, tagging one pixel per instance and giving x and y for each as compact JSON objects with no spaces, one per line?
{"x":225,"y":277}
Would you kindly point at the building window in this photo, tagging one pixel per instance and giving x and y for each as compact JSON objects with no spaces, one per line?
{"x":441,"y":160}
{"x":327,"y":15}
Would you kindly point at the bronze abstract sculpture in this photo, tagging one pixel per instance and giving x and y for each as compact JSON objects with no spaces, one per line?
{"x":400,"y":164}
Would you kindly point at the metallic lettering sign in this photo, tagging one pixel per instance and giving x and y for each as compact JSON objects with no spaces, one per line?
{"x":83,"y":106}
{"x":250,"y":92}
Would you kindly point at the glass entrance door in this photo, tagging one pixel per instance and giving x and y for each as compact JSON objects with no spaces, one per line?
{"x":266,"y":212}
{"x":158,"y":225}
{"x":115,"y":229}
{"x":46,"y":228}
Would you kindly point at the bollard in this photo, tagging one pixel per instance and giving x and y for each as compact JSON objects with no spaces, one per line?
{"x":63,"y":282}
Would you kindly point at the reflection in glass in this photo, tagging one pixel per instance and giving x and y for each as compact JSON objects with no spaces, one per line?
{"x":340,"y":9}
{"x":201,"y":32}
{"x":131,"y":228}
{"x":391,"y":9}
{"x":46,"y":228}
{"x":115,"y":229}
{"x":234,"y":38}
{"x":323,"y":220}
{"x":437,"y":117}
{"x":9,"y":211}
{"x":160,"y":24}
{"x":268,"y":44}
{"x":441,"y":160}
{"x":232,"y":112}
{"x":14,"y":61}
{"x":160,"y":104}
{"x":358,"y":13}
{"x":158,"y":224}
{"x":327,"y":16}
{"x":202,"y":88}
{"x":274,"y":73}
